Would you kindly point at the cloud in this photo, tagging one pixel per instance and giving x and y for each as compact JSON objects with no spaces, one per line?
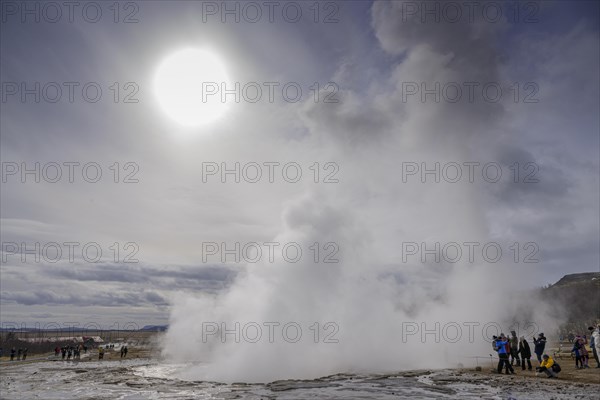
{"x":94,"y":298}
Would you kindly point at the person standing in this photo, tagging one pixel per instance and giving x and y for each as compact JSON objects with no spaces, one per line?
{"x":514,"y":348}
{"x":503,"y":346}
{"x":578,"y":351}
{"x":12,"y":354}
{"x":19,"y":353}
{"x":584,"y":353}
{"x":540,"y":345}
{"x":525,"y":352}
{"x":25,"y":353}
{"x":595,"y":343}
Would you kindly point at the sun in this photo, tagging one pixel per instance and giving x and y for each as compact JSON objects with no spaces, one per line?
{"x":188,"y":85}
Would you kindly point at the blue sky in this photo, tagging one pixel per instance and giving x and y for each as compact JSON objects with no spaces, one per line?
{"x":369,"y":55}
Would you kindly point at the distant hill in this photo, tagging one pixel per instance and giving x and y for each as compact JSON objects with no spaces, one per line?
{"x":583,"y":278}
{"x":154,"y":328}
{"x":146,"y":328}
{"x":577,"y":298}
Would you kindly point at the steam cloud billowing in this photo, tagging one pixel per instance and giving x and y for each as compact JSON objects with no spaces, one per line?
{"x":371,"y":295}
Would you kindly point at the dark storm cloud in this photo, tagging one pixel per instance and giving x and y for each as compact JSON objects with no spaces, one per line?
{"x":92,"y":298}
{"x":109,"y":285}
{"x":143,"y":274}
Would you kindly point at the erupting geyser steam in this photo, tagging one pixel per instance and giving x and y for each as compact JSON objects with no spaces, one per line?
{"x":373,"y":311}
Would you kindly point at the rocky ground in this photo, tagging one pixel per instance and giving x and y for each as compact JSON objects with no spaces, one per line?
{"x":143,"y":376}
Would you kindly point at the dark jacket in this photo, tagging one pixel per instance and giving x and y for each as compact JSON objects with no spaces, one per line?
{"x":524,"y":349}
{"x":514,"y":343}
{"x":540,"y":345}
{"x":576,"y":349}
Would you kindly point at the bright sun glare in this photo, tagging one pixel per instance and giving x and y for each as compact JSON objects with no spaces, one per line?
{"x":179,"y":83}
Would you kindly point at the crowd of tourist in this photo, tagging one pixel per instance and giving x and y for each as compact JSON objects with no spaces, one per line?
{"x":67,"y":352}
{"x":21,"y":354}
{"x":516,"y":351}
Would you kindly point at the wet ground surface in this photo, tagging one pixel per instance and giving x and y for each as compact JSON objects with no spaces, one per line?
{"x":150,"y":379}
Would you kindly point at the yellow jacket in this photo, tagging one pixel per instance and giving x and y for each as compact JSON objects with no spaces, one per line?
{"x":548,"y":363}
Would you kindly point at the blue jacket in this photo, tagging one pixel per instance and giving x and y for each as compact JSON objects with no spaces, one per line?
{"x":501,"y":346}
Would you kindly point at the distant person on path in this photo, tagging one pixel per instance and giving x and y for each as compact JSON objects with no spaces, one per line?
{"x":100,"y":353}
{"x":503,"y":346}
{"x":125,"y":351}
{"x":12,"y":354}
{"x":540,"y":345}
{"x":122,"y":351}
{"x":550,"y":367}
{"x":514,"y":348}
{"x":25,"y":353}
{"x":63,"y":350}
{"x":525,"y":352}
{"x":595,"y":343}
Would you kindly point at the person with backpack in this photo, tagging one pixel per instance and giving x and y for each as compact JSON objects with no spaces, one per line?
{"x":540,"y":345}
{"x":503,"y":346}
{"x":549,"y":366}
{"x":577,"y":351}
{"x":525,"y":352}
